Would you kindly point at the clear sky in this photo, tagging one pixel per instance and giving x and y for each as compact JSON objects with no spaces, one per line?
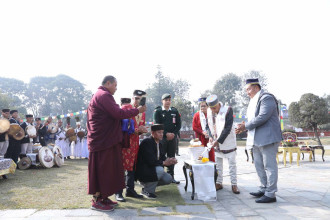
{"x":199,"y":41}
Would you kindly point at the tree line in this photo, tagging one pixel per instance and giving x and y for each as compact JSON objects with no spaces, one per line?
{"x":51,"y":96}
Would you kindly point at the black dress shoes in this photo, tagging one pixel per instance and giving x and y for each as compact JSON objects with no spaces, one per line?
{"x":257,"y":194}
{"x":266,"y":199}
{"x":133,"y":194}
{"x":120,"y":198}
{"x":176,"y":182}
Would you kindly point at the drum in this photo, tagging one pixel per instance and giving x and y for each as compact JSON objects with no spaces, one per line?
{"x":73,"y":138}
{"x":70,"y":132}
{"x":31,"y":130}
{"x":19,"y":135}
{"x":36,"y":148}
{"x":58,"y":156}
{"x":46,"y":157}
{"x":24,"y":163}
{"x":81,"y":134}
{"x":4,"y":125}
{"x":51,"y":146}
{"x":52,"y":128}
{"x":13,"y":129}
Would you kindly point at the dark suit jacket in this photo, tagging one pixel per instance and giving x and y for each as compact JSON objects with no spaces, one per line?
{"x":147,"y":160}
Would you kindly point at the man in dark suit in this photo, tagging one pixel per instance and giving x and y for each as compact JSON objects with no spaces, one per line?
{"x":151,"y":161}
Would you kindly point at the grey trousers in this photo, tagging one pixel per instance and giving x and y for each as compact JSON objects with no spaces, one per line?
{"x":26,"y":148}
{"x":163,"y":179}
{"x":3,"y":148}
{"x":266,"y":167}
{"x":231,"y":157}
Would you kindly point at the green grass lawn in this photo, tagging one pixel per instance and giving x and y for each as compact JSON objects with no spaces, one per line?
{"x":66,"y":188}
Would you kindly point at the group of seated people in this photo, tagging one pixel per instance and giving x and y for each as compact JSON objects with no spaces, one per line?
{"x":34,"y":134}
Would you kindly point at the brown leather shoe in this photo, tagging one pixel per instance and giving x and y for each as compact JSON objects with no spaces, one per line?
{"x":218,"y":186}
{"x":235,"y":190}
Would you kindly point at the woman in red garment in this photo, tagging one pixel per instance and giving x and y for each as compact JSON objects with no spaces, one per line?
{"x":200,"y":126}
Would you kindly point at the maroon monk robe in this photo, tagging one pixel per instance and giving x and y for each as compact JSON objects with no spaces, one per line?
{"x":105,"y":165}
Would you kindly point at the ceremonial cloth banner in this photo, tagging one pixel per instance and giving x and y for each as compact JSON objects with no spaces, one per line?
{"x":204,"y":181}
{"x":7,"y":166}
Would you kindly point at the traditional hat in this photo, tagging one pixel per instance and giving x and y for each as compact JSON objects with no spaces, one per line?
{"x":125,"y":100}
{"x":139,"y":93}
{"x":157,"y":127}
{"x":6,"y":110}
{"x":165,"y":96}
{"x":252,"y":81}
{"x":212,"y":100}
{"x":202,"y":99}
{"x":13,"y":111}
{"x":38,"y":119}
{"x":29,"y":116}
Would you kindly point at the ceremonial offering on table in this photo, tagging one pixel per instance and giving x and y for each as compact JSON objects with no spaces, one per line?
{"x":196,"y":149}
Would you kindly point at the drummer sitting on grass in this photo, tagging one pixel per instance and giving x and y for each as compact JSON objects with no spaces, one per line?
{"x":151,"y":161}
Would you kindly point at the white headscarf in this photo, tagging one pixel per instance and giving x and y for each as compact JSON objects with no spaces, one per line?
{"x":202,"y":119}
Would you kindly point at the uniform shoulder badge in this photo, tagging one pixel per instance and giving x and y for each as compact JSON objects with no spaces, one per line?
{"x":158,"y":108}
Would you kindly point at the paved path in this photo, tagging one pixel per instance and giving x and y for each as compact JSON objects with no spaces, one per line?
{"x":304,"y":193}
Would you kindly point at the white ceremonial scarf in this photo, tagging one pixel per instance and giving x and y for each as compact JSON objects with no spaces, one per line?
{"x":251,"y":111}
{"x":202,"y":119}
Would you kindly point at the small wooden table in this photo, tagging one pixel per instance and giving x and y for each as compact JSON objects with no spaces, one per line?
{"x":314,"y":147}
{"x":188,"y":165}
{"x":291,"y":150}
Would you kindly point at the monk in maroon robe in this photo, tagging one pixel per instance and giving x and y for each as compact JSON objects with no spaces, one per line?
{"x":105,"y":165}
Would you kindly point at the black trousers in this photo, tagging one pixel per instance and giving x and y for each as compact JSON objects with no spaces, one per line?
{"x":169,"y":148}
{"x":14,"y":149}
{"x":129,"y":182}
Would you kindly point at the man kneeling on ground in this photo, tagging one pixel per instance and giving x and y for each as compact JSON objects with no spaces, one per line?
{"x":151,"y":161}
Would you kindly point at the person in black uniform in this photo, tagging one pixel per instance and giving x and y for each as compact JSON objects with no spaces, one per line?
{"x":14,"y":148}
{"x":170,"y":118}
{"x":41,"y":132}
{"x":27,"y":141}
{"x":151,"y":161}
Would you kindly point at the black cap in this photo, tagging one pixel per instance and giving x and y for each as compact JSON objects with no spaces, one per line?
{"x":38,"y":119}
{"x":166,"y":95}
{"x":157,"y":127}
{"x":6,"y":110}
{"x":252,"y":81}
{"x":28,"y":116}
{"x":139,"y":93}
{"x":125,"y":100}
{"x":202,"y":99}
{"x":13,"y":111}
